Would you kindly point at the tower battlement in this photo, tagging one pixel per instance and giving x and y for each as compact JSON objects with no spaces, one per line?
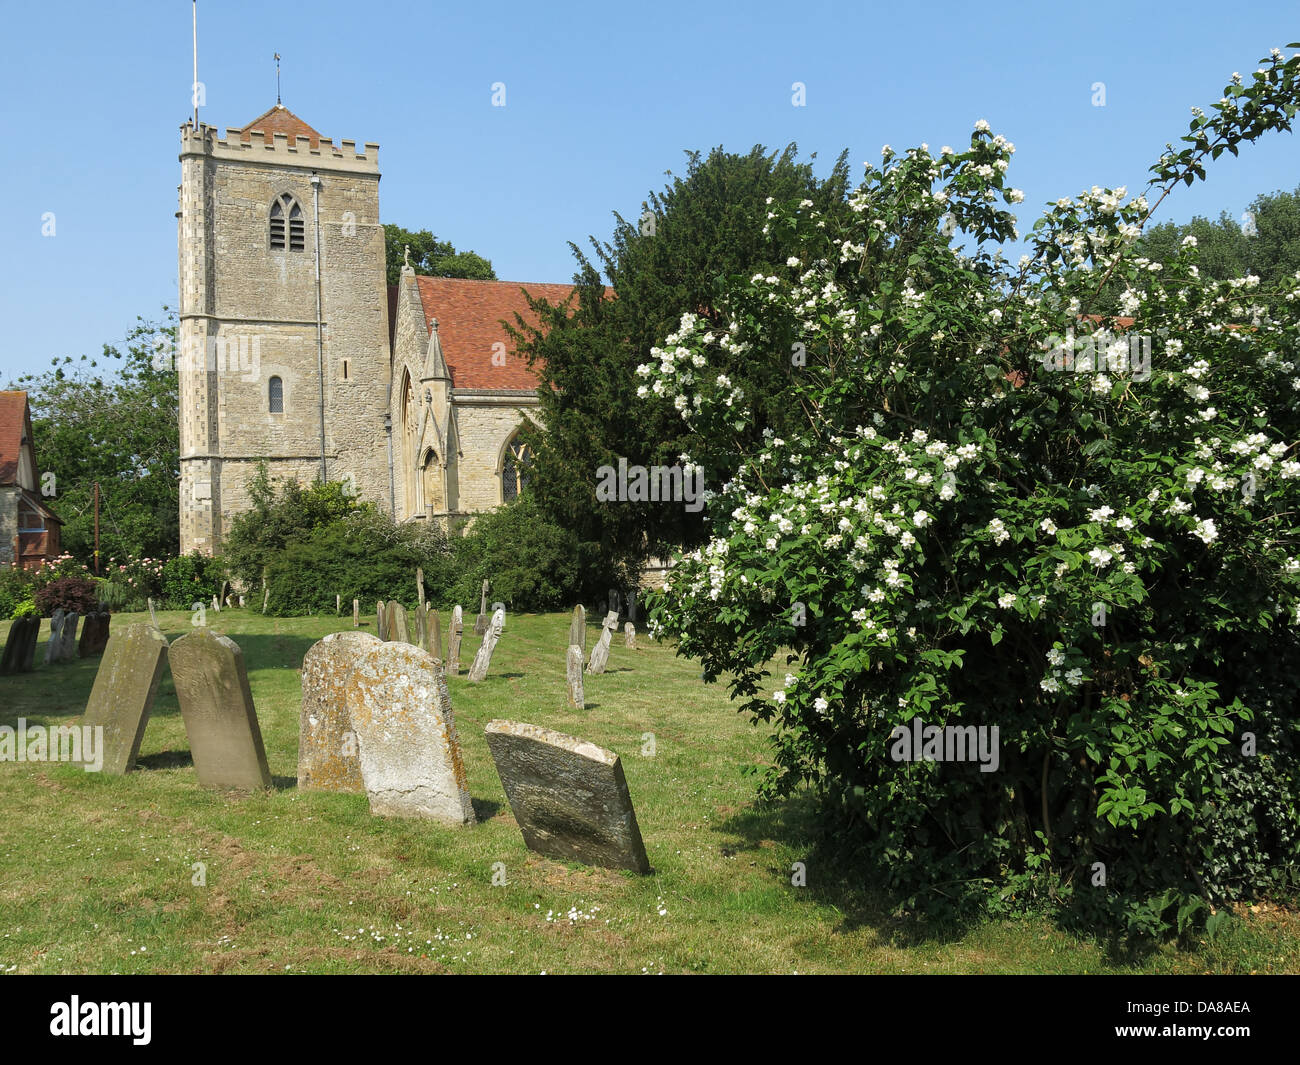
{"x":278,"y":149}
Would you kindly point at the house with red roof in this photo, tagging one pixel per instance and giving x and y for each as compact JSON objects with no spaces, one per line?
{"x":29,"y":529}
{"x":294,"y":352}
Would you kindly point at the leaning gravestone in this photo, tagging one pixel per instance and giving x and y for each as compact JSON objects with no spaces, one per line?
{"x":600,"y":653}
{"x":153,"y":617}
{"x":629,"y":636}
{"x":453,"y":640}
{"x":94,"y":634}
{"x":411,"y":762}
{"x":381,"y":621}
{"x":217,"y":706}
{"x":67,"y":649}
{"x":568,"y":796}
{"x":578,"y":628}
{"x":577,"y":699}
{"x":481,"y":622}
{"x":327,"y":745}
{"x":398,"y":629}
{"x":478,"y":669}
{"x":56,"y":636}
{"x":20,"y":648}
{"x":124,"y":691}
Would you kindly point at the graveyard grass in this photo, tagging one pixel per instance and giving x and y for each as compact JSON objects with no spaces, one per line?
{"x":96,"y":872}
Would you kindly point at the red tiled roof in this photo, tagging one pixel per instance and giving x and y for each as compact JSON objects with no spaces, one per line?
{"x":13,"y":423}
{"x":469,"y":317}
{"x":279,"y":119}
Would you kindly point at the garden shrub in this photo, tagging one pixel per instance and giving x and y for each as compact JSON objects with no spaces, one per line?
{"x":15,"y":586}
{"x":189,"y":579}
{"x":956,"y":499}
{"x":67,"y":593}
{"x":533,"y":565}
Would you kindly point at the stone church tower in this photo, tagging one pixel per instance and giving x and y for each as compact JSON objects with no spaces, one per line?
{"x":283,"y":347}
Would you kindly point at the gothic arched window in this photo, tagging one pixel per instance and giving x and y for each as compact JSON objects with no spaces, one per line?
{"x":514,"y":470}
{"x":275,"y":395}
{"x":287,"y":220}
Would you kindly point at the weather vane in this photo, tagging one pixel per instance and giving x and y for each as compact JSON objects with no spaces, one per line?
{"x":277,"y":79}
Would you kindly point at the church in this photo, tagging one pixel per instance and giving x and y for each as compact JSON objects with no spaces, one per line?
{"x":293,"y":350}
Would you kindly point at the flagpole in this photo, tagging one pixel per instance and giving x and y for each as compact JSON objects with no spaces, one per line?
{"x":195,"y":88}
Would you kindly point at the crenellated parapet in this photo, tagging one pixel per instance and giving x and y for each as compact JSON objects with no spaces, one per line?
{"x":278,"y":149}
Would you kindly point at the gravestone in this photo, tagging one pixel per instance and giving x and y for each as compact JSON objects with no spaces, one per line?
{"x":216,"y":606}
{"x":433,"y":626}
{"x":478,"y":669}
{"x":94,"y":634}
{"x":67,"y":649}
{"x":411,"y":763}
{"x":266,"y":595}
{"x":338,"y":604}
{"x":20,"y":648}
{"x":453,"y":640}
{"x":577,"y":699}
{"x":569,"y":797}
{"x":419,"y":586}
{"x":217,"y":707}
{"x":381,"y":621}
{"x":481,"y":622}
{"x":356,"y":613}
{"x":153,"y":617}
{"x":241,"y":601}
{"x":123,"y":694}
{"x":421,"y":631}
{"x":327,"y":746}
{"x":578,"y":629}
{"x":56,"y":636}
{"x":398,"y":629}
{"x":600,"y":653}
{"x":629,"y":636}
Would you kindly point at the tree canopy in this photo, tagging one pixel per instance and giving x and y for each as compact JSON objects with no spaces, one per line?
{"x":431,"y":256}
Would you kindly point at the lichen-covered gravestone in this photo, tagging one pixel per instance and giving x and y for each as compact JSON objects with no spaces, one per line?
{"x":217,"y":706}
{"x":123,"y":694}
{"x":398,"y":630}
{"x":411,"y":762}
{"x":629,"y":636}
{"x":381,"y":621}
{"x":600,"y":653}
{"x":453,"y":640}
{"x":67,"y":649}
{"x":568,"y":796}
{"x":573,"y":668}
{"x":578,"y":629}
{"x":56,"y":636}
{"x":327,"y":745}
{"x":478,"y":669}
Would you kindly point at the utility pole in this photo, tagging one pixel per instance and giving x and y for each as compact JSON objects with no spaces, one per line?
{"x":96,"y":528}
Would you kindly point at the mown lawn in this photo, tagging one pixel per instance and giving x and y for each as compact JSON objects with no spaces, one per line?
{"x":97,"y":873}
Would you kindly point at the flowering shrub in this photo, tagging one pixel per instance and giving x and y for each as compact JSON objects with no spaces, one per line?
{"x":936,"y":508}
{"x":128,"y":583}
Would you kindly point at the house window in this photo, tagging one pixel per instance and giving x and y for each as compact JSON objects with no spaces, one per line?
{"x":287,"y":223}
{"x":30,"y":520}
{"x":514,"y":470}
{"x":275,"y":395}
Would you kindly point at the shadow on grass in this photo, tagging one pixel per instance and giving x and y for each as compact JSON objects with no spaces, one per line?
{"x":485,"y":809}
{"x":165,"y":760}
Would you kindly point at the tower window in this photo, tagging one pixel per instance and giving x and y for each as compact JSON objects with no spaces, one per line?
{"x":347,"y":370}
{"x":514,"y":470}
{"x":287,"y":222}
{"x":275,"y":395}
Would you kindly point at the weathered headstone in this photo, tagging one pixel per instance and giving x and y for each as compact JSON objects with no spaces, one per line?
{"x":419,"y":585}
{"x":433,"y":626}
{"x":94,"y":634}
{"x":216,"y":606}
{"x":478,"y":669}
{"x":67,"y":650}
{"x":20,"y":648}
{"x":356,"y":613}
{"x":421,"y":628}
{"x":600,"y":653}
{"x":481,"y":622}
{"x":338,"y":604}
{"x":399,"y":630}
{"x":124,"y":691}
{"x":569,"y":797}
{"x":411,"y":763}
{"x":153,"y":616}
{"x":629,"y":636}
{"x":578,"y":628}
{"x":56,"y":636}
{"x":241,"y":601}
{"x":217,"y":707}
{"x":381,"y":620}
{"x":328,"y":757}
{"x":577,"y":699}
{"x":453,"y":640}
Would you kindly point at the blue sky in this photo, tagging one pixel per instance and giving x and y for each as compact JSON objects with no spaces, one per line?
{"x":601,"y":99}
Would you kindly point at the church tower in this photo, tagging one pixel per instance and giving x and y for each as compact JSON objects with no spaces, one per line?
{"x":283,"y":347}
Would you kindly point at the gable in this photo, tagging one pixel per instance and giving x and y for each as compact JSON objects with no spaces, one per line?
{"x":17,"y":459}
